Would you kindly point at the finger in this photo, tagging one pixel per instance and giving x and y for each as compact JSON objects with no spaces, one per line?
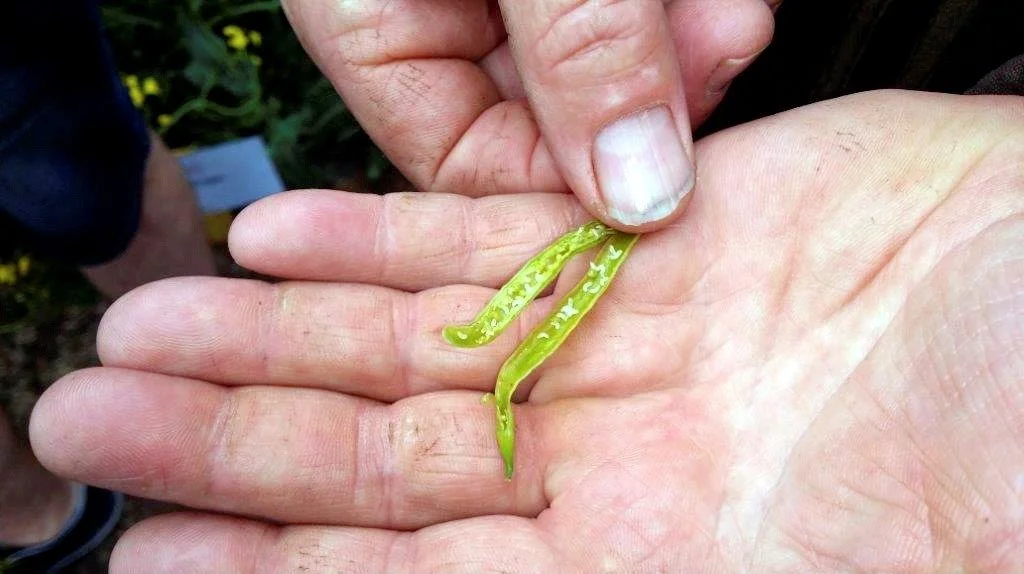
{"x":384,"y":344}
{"x":716,"y":40}
{"x":200,"y":544}
{"x":362,"y":340}
{"x":501,"y":68}
{"x":194,"y":543}
{"x":418,"y":241}
{"x":597,"y":477}
{"x":407,"y":241}
{"x":378,"y":343}
{"x":604,"y":82}
{"x":303,"y":456}
{"x":407,"y":72}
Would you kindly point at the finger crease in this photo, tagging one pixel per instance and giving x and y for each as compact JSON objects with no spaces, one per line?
{"x":402,"y":308}
{"x":383,"y":241}
{"x":218,"y":439}
{"x":467,"y":241}
{"x":449,"y":151}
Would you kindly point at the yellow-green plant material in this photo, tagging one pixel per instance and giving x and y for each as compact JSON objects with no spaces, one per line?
{"x":545,"y":339}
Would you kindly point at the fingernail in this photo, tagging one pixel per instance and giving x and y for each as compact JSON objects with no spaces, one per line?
{"x":642,"y":168}
{"x":726,"y":72}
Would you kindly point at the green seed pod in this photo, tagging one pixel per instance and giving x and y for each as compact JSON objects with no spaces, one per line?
{"x":525,"y":285}
{"x":545,"y":339}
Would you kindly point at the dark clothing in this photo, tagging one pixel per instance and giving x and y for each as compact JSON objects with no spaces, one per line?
{"x":72,"y":147}
{"x":1007,"y":80}
{"x":824,"y":50}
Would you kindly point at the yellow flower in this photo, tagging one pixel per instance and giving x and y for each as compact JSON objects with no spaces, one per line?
{"x":131,"y":80}
{"x":136,"y":95}
{"x":256,"y":60}
{"x":7,"y":274}
{"x":238,"y":42}
{"x":255,"y":37}
{"x":150,"y":86}
{"x":24,"y":265}
{"x":236,"y":37}
{"x":164,"y":120}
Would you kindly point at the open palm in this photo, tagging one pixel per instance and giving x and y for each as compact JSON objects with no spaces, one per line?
{"x":817,"y":368}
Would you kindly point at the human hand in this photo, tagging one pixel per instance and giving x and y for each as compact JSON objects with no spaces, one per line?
{"x":458,"y":108}
{"x":818,"y":369}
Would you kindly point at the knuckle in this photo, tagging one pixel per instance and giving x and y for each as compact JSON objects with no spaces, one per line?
{"x":355,"y":30}
{"x":598,"y":40}
{"x":427,"y":450}
{"x":419,"y":449}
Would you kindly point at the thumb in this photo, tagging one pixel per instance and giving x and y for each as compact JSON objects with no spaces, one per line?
{"x":605,"y":84}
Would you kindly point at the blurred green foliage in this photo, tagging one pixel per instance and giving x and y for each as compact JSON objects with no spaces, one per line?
{"x":228,"y":69}
{"x":37,"y":291}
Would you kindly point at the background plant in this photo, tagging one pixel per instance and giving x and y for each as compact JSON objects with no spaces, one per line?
{"x":223,"y":69}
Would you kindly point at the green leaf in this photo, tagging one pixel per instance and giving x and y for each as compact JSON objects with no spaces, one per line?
{"x":282,"y":135}
{"x":376,"y":165}
{"x":212,"y":58}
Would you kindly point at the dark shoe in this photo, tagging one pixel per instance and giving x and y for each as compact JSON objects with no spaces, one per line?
{"x":93,"y":519}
